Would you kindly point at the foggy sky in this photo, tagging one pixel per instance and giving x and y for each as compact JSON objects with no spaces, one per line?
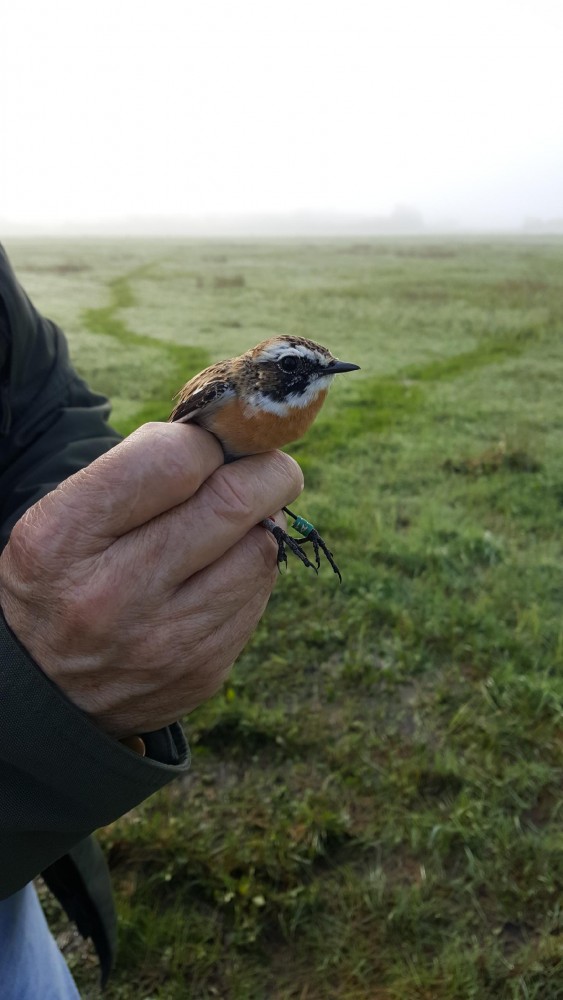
{"x":337,"y":116}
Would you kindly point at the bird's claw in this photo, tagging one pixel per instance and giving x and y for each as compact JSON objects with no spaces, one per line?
{"x":319,"y":543}
{"x":284,"y":540}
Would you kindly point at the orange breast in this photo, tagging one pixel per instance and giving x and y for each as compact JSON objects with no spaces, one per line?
{"x":248,"y":431}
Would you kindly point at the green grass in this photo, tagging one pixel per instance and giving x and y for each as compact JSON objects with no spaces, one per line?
{"x":374,"y":808}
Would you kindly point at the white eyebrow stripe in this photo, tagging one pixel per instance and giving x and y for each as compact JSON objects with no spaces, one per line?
{"x":279,"y":349}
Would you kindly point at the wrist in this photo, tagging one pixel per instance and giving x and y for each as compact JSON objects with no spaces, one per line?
{"x":135,"y":743}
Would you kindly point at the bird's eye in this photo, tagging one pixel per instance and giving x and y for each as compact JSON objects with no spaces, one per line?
{"x":289,"y":363}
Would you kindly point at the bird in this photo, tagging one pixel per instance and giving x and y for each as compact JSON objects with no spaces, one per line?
{"x":261,"y":400}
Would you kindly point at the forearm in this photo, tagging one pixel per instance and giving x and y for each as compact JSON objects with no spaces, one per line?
{"x":60,"y":776}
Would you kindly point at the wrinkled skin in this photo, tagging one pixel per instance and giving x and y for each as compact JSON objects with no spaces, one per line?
{"x":137,"y":582}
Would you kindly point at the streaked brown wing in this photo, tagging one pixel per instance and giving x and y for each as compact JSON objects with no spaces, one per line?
{"x":195,"y":399}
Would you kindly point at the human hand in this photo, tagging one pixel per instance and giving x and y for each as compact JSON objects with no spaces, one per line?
{"x":137,"y":582}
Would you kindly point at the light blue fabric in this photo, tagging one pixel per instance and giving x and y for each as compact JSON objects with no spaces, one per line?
{"x":31,"y":965}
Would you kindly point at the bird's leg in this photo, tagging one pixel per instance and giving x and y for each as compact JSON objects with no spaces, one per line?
{"x":283,"y":540}
{"x":311,"y":535}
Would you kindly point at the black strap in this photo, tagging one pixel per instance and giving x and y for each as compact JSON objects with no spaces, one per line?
{"x":80,"y":881}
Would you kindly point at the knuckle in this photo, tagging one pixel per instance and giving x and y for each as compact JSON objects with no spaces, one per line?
{"x":151,"y":433}
{"x":29,"y":539}
{"x":85,"y":500}
{"x":292,"y":470}
{"x":150,"y":427}
{"x":19,"y":543}
{"x":230,"y":499}
{"x":81,"y":610}
{"x":183,"y":453}
{"x":90,"y":612}
{"x":74,"y":615}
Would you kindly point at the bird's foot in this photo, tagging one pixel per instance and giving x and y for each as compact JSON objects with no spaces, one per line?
{"x":286,"y":541}
{"x":310,"y":534}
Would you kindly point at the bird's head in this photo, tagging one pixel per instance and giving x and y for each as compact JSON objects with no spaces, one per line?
{"x":286,"y":372}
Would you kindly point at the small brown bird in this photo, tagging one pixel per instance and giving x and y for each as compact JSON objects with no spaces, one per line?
{"x":261,"y":400}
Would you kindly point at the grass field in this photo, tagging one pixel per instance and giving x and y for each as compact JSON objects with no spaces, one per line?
{"x":374,"y":810}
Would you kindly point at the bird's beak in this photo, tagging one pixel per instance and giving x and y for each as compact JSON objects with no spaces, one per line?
{"x":335,"y":367}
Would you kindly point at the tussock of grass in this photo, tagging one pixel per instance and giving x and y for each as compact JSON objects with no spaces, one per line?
{"x":495,"y":459}
{"x":374,"y":809}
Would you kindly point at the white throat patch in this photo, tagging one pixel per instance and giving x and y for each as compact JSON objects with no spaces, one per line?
{"x":295,"y":401}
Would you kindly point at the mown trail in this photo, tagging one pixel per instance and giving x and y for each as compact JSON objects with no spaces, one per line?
{"x":180,"y":361}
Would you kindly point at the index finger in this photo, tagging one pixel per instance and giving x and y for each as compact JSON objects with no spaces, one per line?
{"x":153,"y":470}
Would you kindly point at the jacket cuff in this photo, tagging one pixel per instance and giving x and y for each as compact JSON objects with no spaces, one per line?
{"x":61,"y":777}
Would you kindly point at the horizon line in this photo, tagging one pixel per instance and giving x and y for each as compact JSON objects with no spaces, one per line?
{"x":403,"y":220}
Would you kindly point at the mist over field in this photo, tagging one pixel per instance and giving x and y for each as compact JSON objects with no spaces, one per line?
{"x":337,"y":118}
{"x":403,"y":220}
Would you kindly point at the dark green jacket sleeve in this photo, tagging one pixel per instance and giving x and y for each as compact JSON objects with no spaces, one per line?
{"x":51,"y":423}
{"x":60,"y":776}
